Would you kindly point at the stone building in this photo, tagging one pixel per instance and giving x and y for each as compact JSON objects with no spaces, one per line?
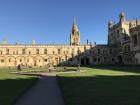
{"x":123,"y":47}
{"x":39,"y":55}
{"x":125,"y":35}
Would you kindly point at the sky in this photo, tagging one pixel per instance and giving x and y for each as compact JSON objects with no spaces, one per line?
{"x":50,"y":21}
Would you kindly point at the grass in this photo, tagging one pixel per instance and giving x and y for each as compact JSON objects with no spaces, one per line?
{"x":102,"y":85}
{"x":12,"y":86}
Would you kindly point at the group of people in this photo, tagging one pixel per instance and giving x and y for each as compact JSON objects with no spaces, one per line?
{"x":50,"y":67}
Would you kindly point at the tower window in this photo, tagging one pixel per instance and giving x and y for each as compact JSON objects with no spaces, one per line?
{"x":58,"y":51}
{"x":23,"y":51}
{"x":0,"y":52}
{"x":7,"y":51}
{"x":2,"y":60}
{"x":135,"y":40}
{"x":98,"y":51}
{"x":45,"y":51}
{"x":37,"y":51}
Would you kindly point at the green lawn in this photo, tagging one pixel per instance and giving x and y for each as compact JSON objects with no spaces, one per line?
{"x":12,"y":86}
{"x":102,"y":85}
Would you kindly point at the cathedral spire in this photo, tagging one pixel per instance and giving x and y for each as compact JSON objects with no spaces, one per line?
{"x":75,"y":27}
{"x":75,"y":34}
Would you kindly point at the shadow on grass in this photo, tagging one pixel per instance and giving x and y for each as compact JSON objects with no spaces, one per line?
{"x":133,"y":69}
{"x":101,"y":90}
{"x":12,"y":89}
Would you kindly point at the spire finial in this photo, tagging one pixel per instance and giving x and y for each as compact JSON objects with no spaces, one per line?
{"x":75,"y":25}
{"x":74,"y":21}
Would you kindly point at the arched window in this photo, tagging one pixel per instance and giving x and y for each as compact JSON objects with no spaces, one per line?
{"x":135,"y":40}
{"x":7,"y":51}
{"x":23,"y":51}
{"x":45,"y":51}
{"x":37,"y":51}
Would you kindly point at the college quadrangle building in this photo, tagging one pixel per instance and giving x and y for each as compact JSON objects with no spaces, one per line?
{"x":123,"y":47}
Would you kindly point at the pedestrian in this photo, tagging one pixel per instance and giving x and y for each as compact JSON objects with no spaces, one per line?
{"x":64,"y":68}
{"x":49,"y":68}
{"x":78,"y":67}
{"x":19,"y":67}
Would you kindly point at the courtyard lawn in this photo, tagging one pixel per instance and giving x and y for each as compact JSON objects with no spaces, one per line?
{"x":12,"y":86}
{"x":101,"y":85}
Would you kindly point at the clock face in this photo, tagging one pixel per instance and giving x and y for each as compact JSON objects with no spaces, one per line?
{"x":75,"y":33}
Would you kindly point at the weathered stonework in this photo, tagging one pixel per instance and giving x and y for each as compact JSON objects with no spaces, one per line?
{"x":123,"y":48}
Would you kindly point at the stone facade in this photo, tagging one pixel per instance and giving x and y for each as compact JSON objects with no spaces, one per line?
{"x":125,"y":35}
{"x":36,"y":55}
{"x":123,"y":48}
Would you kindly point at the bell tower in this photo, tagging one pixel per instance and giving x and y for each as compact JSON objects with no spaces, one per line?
{"x":75,"y":35}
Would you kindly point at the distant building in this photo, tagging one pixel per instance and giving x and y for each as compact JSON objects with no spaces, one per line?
{"x":123,"y":48}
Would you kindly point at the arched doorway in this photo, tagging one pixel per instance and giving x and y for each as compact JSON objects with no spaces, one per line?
{"x":120,"y":61}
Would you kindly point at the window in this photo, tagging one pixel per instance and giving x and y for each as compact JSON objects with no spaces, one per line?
{"x":58,"y":51}
{"x":23,"y":51}
{"x":45,"y":60}
{"x":2,"y":60}
{"x":110,"y":51}
{"x":7,"y":51}
{"x":45,"y":51}
{"x":0,"y":52}
{"x":37,"y":51}
{"x":20,"y":60}
{"x":13,"y":52}
{"x":17,"y":52}
{"x":98,"y":51}
{"x":98,"y":59}
{"x":135,"y":40}
{"x":94,"y":59}
{"x":53,"y":52}
{"x":118,"y":32}
{"x":29,"y":52}
{"x":28,"y":60}
{"x":9,"y":60}
{"x":93,"y":52}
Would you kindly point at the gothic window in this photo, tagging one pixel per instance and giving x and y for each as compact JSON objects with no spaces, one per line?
{"x":13,"y":52}
{"x":94,"y":59}
{"x":9,"y":60}
{"x":127,"y":48}
{"x":93,"y":52}
{"x":20,"y":60}
{"x":29,"y":52}
{"x":7,"y":51}
{"x":23,"y":51}
{"x":110,"y":51}
{"x":2,"y":60}
{"x":98,"y":51}
{"x":45,"y":60}
{"x":58,"y":51}
{"x":45,"y":51}
{"x":135,"y":40}
{"x":53,"y":52}
{"x":0,"y":52}
{"x":104,"y":59}
{"x":37,"y":51}
{"x":28,"y":60}
{"x":118,"y":32}
{"x":98,"y":59}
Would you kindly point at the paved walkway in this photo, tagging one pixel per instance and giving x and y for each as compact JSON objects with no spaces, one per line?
{"x":45,"y":92}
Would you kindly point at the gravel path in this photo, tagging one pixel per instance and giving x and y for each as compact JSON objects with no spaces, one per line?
{"x":45,"y":92}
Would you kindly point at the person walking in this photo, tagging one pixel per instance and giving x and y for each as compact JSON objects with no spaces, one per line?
{"x":19,"y":67}
{"x":78,"y":67}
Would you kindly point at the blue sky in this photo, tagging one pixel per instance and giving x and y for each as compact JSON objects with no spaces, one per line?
{"x":50,"y":21}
